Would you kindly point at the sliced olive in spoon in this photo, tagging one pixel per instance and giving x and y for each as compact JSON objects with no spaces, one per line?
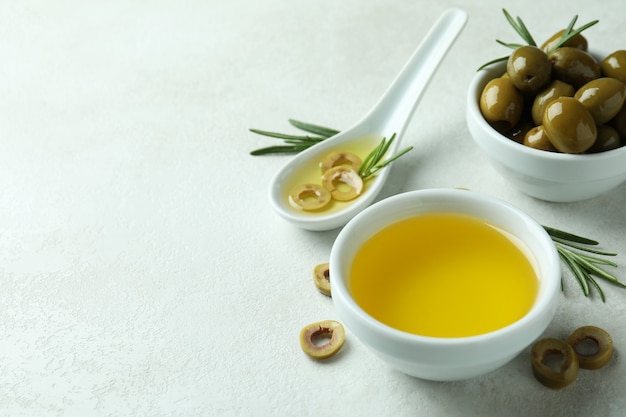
{"x":340,"y":158}
{"x":343,"y":183}
{"x":309,"y":197}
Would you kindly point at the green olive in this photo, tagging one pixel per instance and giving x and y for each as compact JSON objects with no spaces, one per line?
{"x":519,"y":131}
{"x":567,"y":370}
{"x":603,"y":97}
{"x":554,"y":90}
{"x":598,"y":353}
{"x":501,"y":104}
{"x":614,"y":65}
{"x":577,"y":41}
{"x":529,"y":68}
{"x":574,"y":66}
{"x":607,"y":139}
{"x":619,"y":122}
{"x":569,"y":125}
{"x":537,"y":138}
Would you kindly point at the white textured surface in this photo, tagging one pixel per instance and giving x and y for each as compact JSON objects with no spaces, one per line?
{"x":142,"y":270}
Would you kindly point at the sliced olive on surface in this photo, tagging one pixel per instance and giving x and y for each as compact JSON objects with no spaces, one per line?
{"x":592,"y":345}
{"x":614,"y":65}
{"x":603,"y":97}
{"x":309,"y":197}
{"x":552,"y":91}
{"x":574,"y":66}
{"x":529,"y":68}
{"x":577,"y":41}
{"x":321,"y":277}
{"x":322,"y":340}
{"x":501,"y":104}
{"x":569,"y":125}
{"x":554,"y":363}
{"x":343,"y":183}
{"x":340,"y":158}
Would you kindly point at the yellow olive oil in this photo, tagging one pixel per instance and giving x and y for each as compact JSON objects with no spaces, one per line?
{"x":443,"y":275}
{"x":311,"y":173}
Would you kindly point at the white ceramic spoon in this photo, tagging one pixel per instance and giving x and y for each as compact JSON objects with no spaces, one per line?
{"x":390,"y":115}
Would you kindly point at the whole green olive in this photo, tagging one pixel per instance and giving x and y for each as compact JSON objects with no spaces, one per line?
{"x":537,"y":138}
{"x":519,"y":131}
{"x":607,"y":139}
{"x":501,"y":104}
{"x":577,"y":41}
{"x":619,"y":122}
{"x":574,"y":66}
{"x":569,"y":125}
{"x":529,"y":68}
{"x":554,"y":90}
{"x":614,"y":65}
{"x":603,"y":97}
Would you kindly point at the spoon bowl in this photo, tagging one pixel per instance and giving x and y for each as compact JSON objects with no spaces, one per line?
{"x":389,"y":116}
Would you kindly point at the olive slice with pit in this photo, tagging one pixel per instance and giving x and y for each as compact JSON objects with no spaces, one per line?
{"x":343,"y":183}
{"x":309,"y":197}
{"x":592,"y":345}
{"x":554,"y":363}
{"x":340,"y":158}
{"x":321,"y":277}
{"x":323,"y":339}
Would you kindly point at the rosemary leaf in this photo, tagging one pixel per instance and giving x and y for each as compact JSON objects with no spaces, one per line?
{"x":596,"y":286}
{"x":520,"y":28}
{"x":278,"y":149}
{"x":493,"y":61}
{"x":569,"y":236}
{"x":567,"y":35}
{"x":576,"y":271}
{"x":583,"y":248}
{"x":311,"y":128}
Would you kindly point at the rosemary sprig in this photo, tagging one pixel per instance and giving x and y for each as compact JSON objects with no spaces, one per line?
{"x":569,"y":34}
{"x":372,"y":163}
{"x":294,"y":143}
{"x":521,"y":29}
{"x":583,"y":266}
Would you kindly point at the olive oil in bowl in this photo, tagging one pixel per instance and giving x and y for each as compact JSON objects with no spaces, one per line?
{"x":443,"y":275}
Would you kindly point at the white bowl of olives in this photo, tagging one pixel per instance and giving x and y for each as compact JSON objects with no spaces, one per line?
{"x":553,"y":121}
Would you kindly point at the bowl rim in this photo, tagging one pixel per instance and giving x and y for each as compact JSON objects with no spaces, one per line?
{"x":477,"y":83}
{"x":341,"y":293}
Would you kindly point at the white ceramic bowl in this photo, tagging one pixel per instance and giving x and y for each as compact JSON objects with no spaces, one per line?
{"x":445,"y":358}
{"x":544,"y":175}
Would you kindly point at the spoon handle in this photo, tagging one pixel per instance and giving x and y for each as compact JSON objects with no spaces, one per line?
{"x":396,"y":106}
